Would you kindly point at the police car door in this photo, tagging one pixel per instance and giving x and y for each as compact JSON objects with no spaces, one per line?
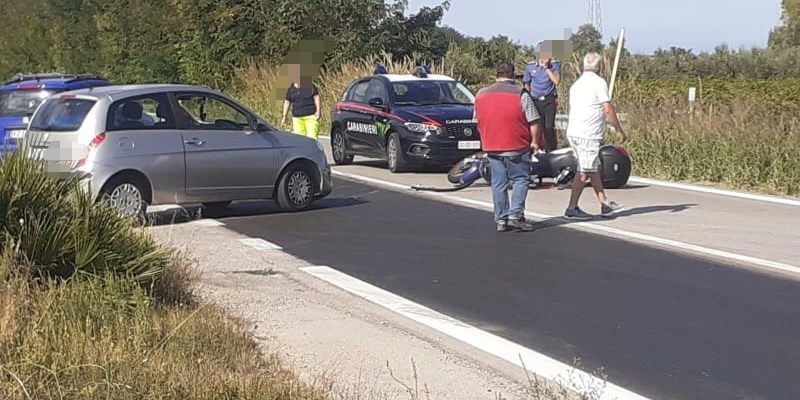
{"x":378,"y":99}
{"x":362,"y":126}
{"x":356,"y":117}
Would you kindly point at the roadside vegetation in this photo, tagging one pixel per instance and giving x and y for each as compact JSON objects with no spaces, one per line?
{"x":743,"y":134}
{"x":91,"y":308}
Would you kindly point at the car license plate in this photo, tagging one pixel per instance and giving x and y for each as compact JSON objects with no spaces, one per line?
{"x":17,"y":133}
{"x":469,"y":145}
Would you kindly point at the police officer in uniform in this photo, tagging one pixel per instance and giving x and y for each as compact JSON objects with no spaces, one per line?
{"x":540,"y":79}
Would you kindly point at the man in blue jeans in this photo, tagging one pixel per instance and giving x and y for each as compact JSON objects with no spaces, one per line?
{"x":509,"y":126}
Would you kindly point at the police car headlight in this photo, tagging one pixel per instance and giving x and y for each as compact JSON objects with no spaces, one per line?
{"x":421,"y":128}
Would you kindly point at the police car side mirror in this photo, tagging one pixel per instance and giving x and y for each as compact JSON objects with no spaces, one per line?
{"x":262,"y":127}
{"x":377,"y":102}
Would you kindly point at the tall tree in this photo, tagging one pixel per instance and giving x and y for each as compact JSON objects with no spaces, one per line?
{"x":788,"y":33}
{"x":586,"y":39}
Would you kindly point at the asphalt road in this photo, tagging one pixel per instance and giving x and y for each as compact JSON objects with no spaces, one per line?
{"x":661,"y":324}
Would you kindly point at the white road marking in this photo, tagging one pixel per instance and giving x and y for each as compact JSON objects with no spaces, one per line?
{"x":260,"y":244}
{"x":608,"y":231}
{"x":537,"y":363}
{"x":721,"y":192}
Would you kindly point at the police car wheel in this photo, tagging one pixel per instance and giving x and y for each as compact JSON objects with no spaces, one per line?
{"x":394,"y":154}
{"x":339,"y":148}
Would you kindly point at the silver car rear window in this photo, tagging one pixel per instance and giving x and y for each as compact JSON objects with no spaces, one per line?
{"x":61,"y":114}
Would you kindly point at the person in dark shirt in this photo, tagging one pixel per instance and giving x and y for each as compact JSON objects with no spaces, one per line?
{"x":541,"y":79}
{"x":304,"y":99}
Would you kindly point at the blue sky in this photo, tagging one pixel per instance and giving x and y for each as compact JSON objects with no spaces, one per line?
{"x":697,"y":24}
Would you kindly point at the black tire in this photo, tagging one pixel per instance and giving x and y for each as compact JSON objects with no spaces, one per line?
{"x":616,"y":167}
{"x":296,"y":188}
{"x":129,"y":195}
{"x":394,"y":154}
{"x":339,"y":149}
{"x":456,"y":172}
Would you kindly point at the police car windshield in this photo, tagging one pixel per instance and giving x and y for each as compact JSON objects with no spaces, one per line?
{"x":424,"y":93}
{"x":18,"y":103}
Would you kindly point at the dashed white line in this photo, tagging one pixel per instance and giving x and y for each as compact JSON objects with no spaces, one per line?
{"x":260,"y":244}
{"x":608,"y":231}
{"x":537,"y":363}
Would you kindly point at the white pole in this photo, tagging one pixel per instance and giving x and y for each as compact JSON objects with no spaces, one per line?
{"x":616,"y":62}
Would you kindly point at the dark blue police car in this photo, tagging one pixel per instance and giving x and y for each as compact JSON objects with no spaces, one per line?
{"x":20,"y":96}
{"x":412,"y":120}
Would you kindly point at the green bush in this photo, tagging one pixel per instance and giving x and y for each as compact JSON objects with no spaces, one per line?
{"x":91,"y":307}
{"x":58,"y":230}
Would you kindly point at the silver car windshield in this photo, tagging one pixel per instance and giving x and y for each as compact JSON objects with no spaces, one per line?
{"x":61,"y":114}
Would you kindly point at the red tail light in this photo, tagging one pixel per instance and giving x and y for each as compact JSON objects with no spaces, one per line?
{"x":95,"y":143}
{"x":624,"y":151}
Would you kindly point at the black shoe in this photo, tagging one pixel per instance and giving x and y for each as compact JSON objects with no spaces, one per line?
{"x":577,"y":213}
{"x":521,"y":224}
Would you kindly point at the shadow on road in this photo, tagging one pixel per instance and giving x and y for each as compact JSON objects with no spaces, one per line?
{"x":379,"y":164}
{"x":180,"y":215}
{"x":560,"y":220}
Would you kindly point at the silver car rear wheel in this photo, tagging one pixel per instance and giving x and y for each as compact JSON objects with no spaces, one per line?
{"x":127,"y":198}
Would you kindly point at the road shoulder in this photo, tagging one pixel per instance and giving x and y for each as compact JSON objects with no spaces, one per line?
{"x":331,"y":337}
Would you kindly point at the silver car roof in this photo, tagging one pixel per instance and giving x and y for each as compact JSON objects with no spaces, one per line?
{"x":123,"y":91}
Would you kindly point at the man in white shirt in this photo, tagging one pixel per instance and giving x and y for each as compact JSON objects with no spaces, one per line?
{"x":589,"y":111}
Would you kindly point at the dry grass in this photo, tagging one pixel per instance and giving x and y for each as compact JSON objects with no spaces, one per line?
{"x":92,"y":308}
{"x":740,"y":146}
{"x":91,"y":339}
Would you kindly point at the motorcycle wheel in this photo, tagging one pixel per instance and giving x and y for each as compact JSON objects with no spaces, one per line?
{"x":457,"y":171}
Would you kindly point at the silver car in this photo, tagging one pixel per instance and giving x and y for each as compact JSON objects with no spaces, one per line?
{"x":145,"y":145}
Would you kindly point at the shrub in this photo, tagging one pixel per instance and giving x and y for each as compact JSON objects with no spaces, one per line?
{"x":58,"y":231}
{"x":91,"y":307}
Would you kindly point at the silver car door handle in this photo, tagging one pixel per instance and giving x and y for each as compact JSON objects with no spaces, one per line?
{"x":194,"y":141}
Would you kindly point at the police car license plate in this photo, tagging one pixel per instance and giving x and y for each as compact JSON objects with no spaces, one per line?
{"x":469,"y":145}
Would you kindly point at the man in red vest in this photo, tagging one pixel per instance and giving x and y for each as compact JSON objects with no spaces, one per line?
{"x":509,"y":128}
